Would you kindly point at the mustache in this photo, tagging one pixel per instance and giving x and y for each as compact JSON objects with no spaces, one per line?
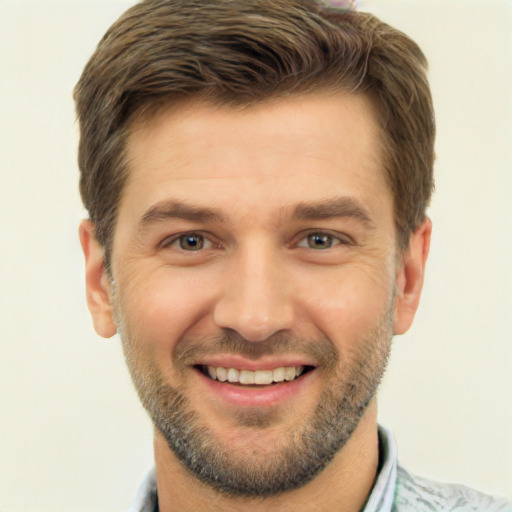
{"x":321,"y":350}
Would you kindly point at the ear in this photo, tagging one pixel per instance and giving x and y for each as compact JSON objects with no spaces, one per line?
{"x":409,"y":277}
{"x":97,"y":284}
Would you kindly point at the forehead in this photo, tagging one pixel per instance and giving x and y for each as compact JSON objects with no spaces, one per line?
{"x":273,"y":153}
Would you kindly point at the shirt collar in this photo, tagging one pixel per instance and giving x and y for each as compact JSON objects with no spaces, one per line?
{"x":383,"y":492}
{"x":146,"y":497}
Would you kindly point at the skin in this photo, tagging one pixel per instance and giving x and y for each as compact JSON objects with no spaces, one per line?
{"x":258,"y":275}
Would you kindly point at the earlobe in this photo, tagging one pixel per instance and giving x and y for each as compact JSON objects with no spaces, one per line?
{"x":96,"y":282}
{"x":409,"y":279}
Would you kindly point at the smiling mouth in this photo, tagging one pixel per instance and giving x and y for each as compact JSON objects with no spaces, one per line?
{"x":254,"y":377}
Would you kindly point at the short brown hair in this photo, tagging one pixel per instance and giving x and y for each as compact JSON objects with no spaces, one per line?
{"x":245,"y":51}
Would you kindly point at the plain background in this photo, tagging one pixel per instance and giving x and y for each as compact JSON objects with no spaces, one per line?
{"x":72,"y":434}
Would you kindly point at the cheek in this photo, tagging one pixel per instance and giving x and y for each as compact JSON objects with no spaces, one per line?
{"x":163,"y":305}
{"x":352,"y":302}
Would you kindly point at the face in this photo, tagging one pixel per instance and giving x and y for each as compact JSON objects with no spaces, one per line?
{"x":254,"y":273}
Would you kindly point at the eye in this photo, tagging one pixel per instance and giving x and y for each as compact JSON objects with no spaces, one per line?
{"x":319,"y":241}
{"x":189,"y":242}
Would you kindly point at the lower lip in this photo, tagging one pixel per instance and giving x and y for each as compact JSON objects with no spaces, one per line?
{"x":264,"y":396}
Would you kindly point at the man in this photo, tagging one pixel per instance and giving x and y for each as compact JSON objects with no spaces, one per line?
{"x":257,"y":175}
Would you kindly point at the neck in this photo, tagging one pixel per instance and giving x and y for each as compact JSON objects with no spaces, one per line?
{"x":344,"y":485}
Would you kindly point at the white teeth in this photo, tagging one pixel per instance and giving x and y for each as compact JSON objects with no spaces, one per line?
{"x":263,"y":377}
{"x":222,"y":374}
{"x":289,"y":373}
{"x":278,"y":374}
{"x":248,"y":377}
{"x":233,"y":375}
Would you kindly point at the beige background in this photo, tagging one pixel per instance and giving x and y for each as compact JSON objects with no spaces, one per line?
{"x":72,"y":434}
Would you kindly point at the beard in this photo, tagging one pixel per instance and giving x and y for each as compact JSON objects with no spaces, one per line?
{"x":301,"y":452}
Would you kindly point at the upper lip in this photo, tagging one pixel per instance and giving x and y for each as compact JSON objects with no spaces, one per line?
{"x":242,"y":363}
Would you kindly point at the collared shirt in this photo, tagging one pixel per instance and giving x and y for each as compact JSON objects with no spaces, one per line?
{"x":395,"y":490}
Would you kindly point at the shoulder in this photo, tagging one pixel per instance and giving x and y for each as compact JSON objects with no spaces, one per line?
{"x":418,"y":494}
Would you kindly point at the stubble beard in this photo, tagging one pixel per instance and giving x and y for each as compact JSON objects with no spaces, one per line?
{"x":302,"y":453}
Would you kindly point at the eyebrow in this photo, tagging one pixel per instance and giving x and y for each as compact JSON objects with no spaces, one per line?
{"x":318,"y":210}
{"x":332,"y":208}
{"x":172,"y":209}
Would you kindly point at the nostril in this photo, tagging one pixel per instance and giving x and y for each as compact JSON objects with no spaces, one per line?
{"x":254,"y":316}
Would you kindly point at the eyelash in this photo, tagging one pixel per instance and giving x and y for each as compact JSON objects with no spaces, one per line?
{"x":176,"y":239}
{"x":335,"y":240}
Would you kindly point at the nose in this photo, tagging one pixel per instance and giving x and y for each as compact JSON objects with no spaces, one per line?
{"x":256,"y":299}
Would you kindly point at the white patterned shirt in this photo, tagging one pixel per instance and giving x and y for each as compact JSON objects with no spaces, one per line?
{"x":395,"y":490}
